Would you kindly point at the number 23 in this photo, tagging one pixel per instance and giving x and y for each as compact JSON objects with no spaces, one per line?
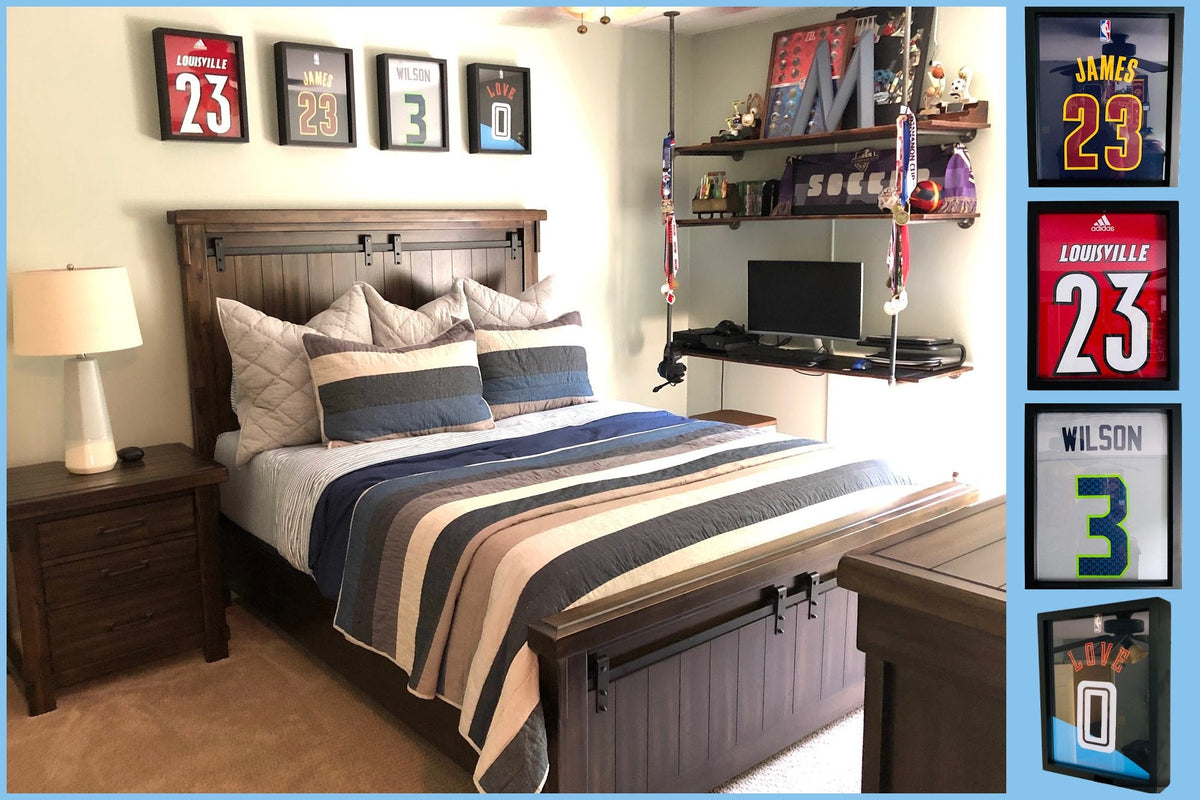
{"x":1123,"y":110}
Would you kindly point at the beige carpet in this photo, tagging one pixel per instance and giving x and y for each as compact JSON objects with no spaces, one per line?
{"x":270,"y":719}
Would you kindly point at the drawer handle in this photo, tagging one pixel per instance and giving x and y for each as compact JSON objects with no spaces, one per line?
{"x":113,"y":573}
{"x":132,"y":622}
{"x":121,"y":528}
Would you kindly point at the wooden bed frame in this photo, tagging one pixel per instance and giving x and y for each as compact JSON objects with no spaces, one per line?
{"x":678,"y":685}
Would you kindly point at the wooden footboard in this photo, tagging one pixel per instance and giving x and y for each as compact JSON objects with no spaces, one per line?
{"x":681,"y":684}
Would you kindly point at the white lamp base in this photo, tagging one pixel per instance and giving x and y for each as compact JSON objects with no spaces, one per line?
{"x":88,"y":433}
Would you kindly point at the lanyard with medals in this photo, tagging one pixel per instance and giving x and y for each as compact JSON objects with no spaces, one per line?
{"x":671,"y":245}
{"x":905,"y":181}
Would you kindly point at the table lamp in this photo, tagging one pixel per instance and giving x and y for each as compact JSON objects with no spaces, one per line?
{"x":74,"y":312}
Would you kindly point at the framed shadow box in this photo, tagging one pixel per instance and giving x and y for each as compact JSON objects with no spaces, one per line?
{"x":793,"y":53}
{"x":1103,"y":496}
{"x":314,"y":92}
{"x":1105,"y":685}
{"x":201,"y":80}
{"x":498,"y":112}
{"x":412,"y":102}
{"x":1104,"y":295}
{"x":1103,"y":95}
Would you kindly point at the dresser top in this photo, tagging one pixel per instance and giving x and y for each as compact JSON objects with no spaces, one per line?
{"x":953,"y":568}
{"x":40,"y":489}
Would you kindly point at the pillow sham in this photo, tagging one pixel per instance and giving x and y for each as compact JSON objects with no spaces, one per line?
{"x":275,"y":399}
{"x":533,"y":368}
{"x":395,"y":326}
{"x":541,"y":302}
{"x":366,"y":393}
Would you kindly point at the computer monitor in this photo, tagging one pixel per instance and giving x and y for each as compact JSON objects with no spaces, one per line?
{"x":821,"y":299}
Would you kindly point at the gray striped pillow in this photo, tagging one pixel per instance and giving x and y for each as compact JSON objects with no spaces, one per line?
{"x":367,"y":393}
{"x":534,"y":368}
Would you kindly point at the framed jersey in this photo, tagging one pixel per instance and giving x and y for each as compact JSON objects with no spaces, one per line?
{"x":1103,"y":491}
{"x":201,"y":79}
{"x":1103,"y":95}
{"x":412,"y":102}
{"x":1105,"y":676}
{"x":1103,"y":295}
{"x":314,"y":93}
{"x":498,"y":118}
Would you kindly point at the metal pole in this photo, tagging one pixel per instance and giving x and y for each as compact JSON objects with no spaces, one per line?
{"x":671,"y":15}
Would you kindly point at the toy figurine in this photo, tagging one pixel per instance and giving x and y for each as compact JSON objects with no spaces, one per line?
{"x":960,"y":87}
{"x":936,"y":87}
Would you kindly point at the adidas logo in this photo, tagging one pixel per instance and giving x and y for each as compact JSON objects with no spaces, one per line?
{"x":199,"y":45}
{"x":1103,"y":224}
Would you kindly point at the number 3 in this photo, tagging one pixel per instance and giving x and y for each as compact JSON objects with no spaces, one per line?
{"x":1105,"y":526}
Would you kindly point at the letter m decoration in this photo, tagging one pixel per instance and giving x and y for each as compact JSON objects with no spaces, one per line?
{"x":859,"y":75}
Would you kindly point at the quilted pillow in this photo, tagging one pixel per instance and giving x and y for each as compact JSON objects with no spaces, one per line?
{"x":366,"y":393}
{"x":539,"y":303}
{"x":534,"y":368}
{"x":394,"y":325}
{"x":275,"y":398}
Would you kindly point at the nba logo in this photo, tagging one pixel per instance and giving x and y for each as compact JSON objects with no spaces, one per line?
{"x":1106,"y":31}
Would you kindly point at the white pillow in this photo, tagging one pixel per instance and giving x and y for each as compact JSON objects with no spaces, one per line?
{"x":276,"y":401}
{"x":395,"y":326}
{"x":541,"y":302}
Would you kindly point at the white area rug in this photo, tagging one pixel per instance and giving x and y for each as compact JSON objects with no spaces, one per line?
{"x":828,"y":761}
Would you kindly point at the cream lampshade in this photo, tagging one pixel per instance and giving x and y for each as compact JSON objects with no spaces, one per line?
{"x":62,"y":312}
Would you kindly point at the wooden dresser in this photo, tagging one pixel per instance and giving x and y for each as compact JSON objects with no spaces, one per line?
{"x":931,"y":621}
{"x":111,"y":570}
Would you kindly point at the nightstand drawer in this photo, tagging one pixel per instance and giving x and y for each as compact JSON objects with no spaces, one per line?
{"x":116,"y":571}
{"x":133,"y":523}
{"x":102,"y":629}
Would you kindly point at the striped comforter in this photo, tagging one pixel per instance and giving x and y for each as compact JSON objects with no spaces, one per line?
{"x":445,"y":570}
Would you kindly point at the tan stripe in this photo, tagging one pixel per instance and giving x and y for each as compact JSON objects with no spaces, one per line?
{"x":532,"y":554}
{"x":426,"y":531}
{"x":355,"y":364}
{"x":523,"y":338}
{"x":745,"y":538}
{"x":518,"y":699}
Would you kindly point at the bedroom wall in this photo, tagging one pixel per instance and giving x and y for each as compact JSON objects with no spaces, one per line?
{"x":956,"y":286}
{"x":89,"y":181}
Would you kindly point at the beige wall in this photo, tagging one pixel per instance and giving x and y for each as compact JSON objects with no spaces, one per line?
{"x":956,"y":287}
{"x":90,"y":182}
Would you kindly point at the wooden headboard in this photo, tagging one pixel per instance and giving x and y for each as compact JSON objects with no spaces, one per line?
{"x":292,"y":264}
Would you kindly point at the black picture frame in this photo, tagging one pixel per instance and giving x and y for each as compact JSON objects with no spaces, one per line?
{"x":1081,"y":663}
{"x":200,"y":78}
{"x":1066,"y":58}
{"x":498,"y":100}
{"x":1103,"y":295}
{"x":1129,"y":453}
{"x":314,"y":92}
{"x":412,"y":90}
{"x":889,"y":57}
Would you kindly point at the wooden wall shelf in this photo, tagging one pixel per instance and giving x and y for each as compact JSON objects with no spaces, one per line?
{"x":963,"y":220}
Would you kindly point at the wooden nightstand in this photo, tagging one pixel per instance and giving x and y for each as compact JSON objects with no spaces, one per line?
{"x":111,"y":570}
{"x":735,"y":417}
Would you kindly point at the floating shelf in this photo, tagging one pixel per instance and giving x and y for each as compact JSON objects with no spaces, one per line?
{"x":958,"y":129}
{"x":963,"y":220}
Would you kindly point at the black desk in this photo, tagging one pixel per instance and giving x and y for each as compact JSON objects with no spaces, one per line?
{"x":836,"y":365}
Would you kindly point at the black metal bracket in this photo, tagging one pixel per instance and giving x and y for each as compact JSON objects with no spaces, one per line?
{"x":966,"y":223}
{"x":812,"y":580}
{"x":779,"y":608}
{"x":600,"y":664}
{"x":366,"y":245}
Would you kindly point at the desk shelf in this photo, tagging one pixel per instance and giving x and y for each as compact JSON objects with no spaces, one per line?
{"x":841,"y":365}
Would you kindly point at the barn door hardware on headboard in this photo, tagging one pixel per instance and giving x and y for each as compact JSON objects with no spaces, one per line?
{"x":366,"y":245}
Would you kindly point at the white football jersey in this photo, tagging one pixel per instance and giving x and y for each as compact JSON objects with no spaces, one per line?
{"x":1102,"y":481}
